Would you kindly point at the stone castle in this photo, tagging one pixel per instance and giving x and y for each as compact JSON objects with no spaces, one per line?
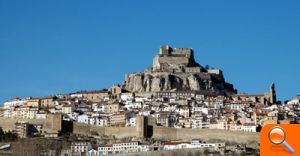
{"x":175,"y":69}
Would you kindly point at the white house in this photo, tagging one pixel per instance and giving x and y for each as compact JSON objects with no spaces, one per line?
{"x":126,"y":96}
{"x":93,"y":152}
{"x":102,"y":121}
{"x":294,"y":101}
{"x":83,"y":119}
{"x":81,"y":147}
{"x":131,"y":122}
{"x":105,"y":150}
{"x":145,"y":112}
{"x":175,"y":145}
{"x":144,"y":148}
{"x":184,"y":111}
{"x":248,"y":127}
{"x":200,"y":109}
{"x":13,"y":103}
{"x":125,"y":147}
{"x":67,"y":109}
{"x":199,"y":120}
{"x":96,"y":107}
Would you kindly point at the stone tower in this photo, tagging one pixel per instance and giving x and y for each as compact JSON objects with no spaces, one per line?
{"x":272,"y":93}
{"x":54,"y":122}
{"x":165,"y":50}
{"x":141,"y":126}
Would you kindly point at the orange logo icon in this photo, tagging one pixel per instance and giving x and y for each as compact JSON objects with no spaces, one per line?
{"x":279,"y":140}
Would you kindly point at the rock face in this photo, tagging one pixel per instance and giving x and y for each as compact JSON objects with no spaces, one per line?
{"x":176,"y":70}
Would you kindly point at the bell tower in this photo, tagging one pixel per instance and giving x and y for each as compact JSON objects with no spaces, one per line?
{"x":272,"y":93}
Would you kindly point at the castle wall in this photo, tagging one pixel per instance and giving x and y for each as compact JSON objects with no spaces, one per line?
{"x":155,"y":131}
{"x":215,"y":71}
{"x":52,"y":123}
{"x":185,"y":51}
{"x":205,"y":134}
{"x":118,"y":132}
{"x":9,"y":124}
{"x":174,"y":60}
{"x":166,"y":133}
{"x":121,"y":132}
{"x":83,"y":129}
{"x":193,"y":70}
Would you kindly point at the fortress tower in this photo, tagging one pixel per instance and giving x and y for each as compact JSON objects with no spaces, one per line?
{"x":141,"y":126}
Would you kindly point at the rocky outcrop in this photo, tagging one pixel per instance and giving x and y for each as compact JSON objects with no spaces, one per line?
{"x":156,"y":82}
{"x":194,"y":82}
{"x":176,"y":70}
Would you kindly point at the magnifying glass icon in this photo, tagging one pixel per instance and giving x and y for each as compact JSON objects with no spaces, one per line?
{"x":277,"y":136}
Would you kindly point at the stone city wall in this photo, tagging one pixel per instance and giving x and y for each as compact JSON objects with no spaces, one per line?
{"x":166,"y":133}
{"x":50,"y":124}
{"x":118,"y":132}
{"x":205,"y":134}
{"x":156,"y":132}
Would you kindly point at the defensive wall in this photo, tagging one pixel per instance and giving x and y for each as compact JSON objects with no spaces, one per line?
{"x":53,"y":123}
{"x":205,"y":134}
{"x":118,"y":132}
{"x":174,"y":60}
{"x":9,"y":124}
{"x":164,"y":133}
{"x":143,"y":129}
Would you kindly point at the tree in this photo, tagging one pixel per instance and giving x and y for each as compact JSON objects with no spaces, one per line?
{"x":7,"y":136}
{"x":1,"y":134}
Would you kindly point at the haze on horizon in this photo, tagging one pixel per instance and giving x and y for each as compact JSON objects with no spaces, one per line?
{"x":65,"y":46}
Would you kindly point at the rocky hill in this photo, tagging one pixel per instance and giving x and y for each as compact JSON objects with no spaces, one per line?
{"x":176,"y":70}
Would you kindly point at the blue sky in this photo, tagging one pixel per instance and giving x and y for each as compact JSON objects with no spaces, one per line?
{"x":49,"y":47}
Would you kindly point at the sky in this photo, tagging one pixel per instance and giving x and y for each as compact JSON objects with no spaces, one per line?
{"x":53,"y":47}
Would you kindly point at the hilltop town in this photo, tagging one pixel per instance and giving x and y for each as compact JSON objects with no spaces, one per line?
{"x":177,"y":104}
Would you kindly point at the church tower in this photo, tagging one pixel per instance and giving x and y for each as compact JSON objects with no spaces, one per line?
{"x":272,"y":93}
